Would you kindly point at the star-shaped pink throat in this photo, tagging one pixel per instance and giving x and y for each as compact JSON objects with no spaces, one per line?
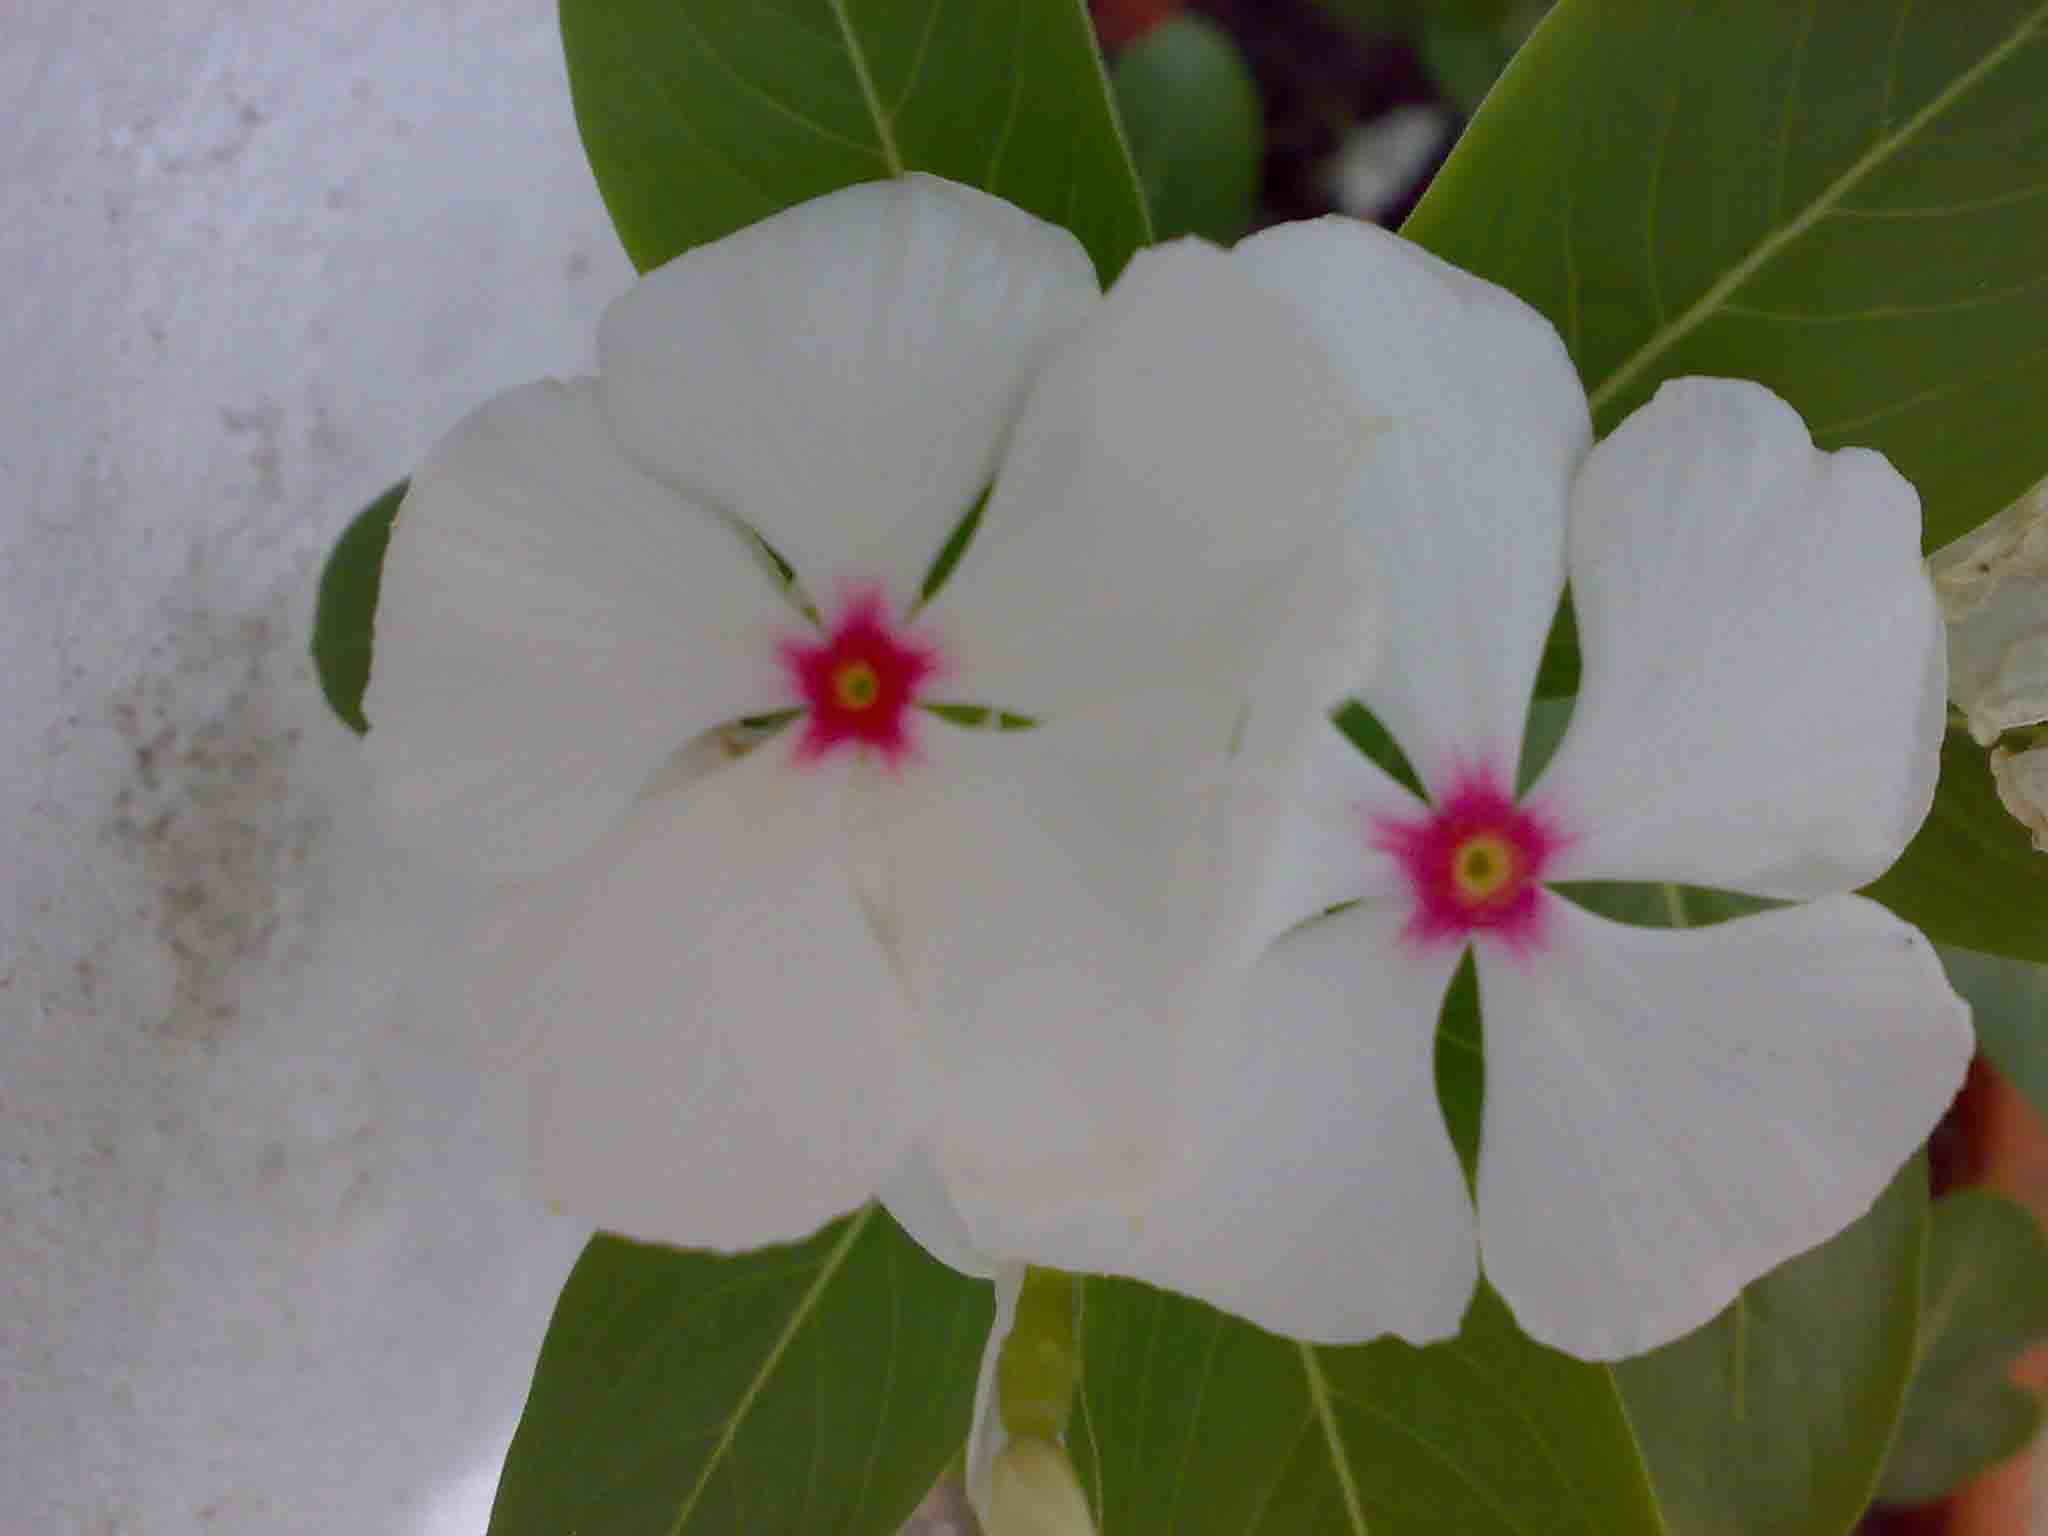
{"x":860,"y":683}
{"x":1474,"y":863}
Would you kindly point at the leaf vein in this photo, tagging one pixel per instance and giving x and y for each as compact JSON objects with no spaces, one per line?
{"x":624,"y":1379}
{"x":885,"y":128}
{"x":765,"y":97}
{"x":1265,"y":1503}
{"x":1471,"y":1363}
{"x":1887,"y":311}
{"x":827,"y":1271}
{"x":1946,"y":210}
{"x":1671,"y":333}
{"x":924,"y":44}
{"x":1921,"y":397}
{"x":1340,"y":1463}
{"x":1791,"y":101}
{"x":1002,"y":148}
{"x":1485,"y":1495}
{"x":1891,"y":69}
{"x":1187,"y":1448}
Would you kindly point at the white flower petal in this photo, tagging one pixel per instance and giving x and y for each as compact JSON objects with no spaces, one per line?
{"x":842,"y":375}
{"x":1168,"y":509}
{"x":988,"y":1434}
{"x":552,"y":625}
{"x":1320,"y":851}
{"x":917,"y":1198}
{"x":1462,"y":502}
{"x":1317,"y":1193}
{"x":1764,"y":670}
{"x":1671,"y":1114}
{"x":716,"y":1049}
{"x":1057,"y":908}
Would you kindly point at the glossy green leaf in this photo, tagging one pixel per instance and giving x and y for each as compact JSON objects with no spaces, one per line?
{"x":1843,"y":200}
{"x":1970,"y":876}
{"x":815,"y":1386}
{"x":1464,"y":56}
{"x":1194,"y":1423}
{"x":1987,"y":1302}
{"x":347,"y":605}
{"x":700,"y":118}
{"x":1774,"y":1418}
{"x":2009,"y":1006}
{"x":1040,"y":1365}
{"x":1192,"y":117}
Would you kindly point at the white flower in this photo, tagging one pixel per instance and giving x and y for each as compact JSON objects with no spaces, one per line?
{"x":727,"y":993}
{"x":1667,"y":1114}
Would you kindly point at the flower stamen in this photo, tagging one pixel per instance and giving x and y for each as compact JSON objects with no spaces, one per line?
{"x":1474,"y":863}
{"x":860,"y":684}
{"x":855,"y":685}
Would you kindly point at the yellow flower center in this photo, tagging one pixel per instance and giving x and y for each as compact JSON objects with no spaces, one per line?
{"x":1482,"y":866}
{"x":855,"y":685}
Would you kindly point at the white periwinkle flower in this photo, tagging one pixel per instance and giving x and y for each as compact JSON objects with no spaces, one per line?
{"x":1667,"y":1114}
{"x":728,"y":999}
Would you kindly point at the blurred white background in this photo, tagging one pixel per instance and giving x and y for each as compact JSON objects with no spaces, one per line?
{"x":263,"y":1270}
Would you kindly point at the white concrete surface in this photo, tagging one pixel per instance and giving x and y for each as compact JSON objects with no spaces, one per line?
{"x":262,"y":1271}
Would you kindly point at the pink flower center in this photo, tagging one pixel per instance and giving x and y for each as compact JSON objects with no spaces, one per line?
{"x":860,"y":683}
{"x":1474,"y":863}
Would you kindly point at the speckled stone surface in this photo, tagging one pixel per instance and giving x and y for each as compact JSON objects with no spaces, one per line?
{"x":263,"y":1270}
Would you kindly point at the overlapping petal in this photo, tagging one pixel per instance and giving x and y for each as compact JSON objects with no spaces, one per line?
{"x":1764,"y":666}
{"x":1170,"y":497}
{"x":552,"y":625}
{"x":1060,"y":917}
{"x":1670,"y":1114}
{"x":842,"y":375}
{"x":1315,"y":1190}
{"x":1321,"y":843}
{"x":916,"y":1196}
{"x":1462,"y":503}
{"x":715,"y":1045}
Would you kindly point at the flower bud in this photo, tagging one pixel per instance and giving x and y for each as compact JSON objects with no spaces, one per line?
{"x":1033,"y":1492}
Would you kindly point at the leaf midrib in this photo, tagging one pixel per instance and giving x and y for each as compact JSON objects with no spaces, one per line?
{"x":800,"y":1315}
{"x":1696,"y":314}
{"x":1340,"y":1461}
{"x":885,"y":126}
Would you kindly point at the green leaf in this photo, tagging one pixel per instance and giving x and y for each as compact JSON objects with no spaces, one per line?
{"x":1464,"y":55}
{"x":1192,"y":116}
{"x":347,"y":605}
{"x":1040,"y":1364}
{"x":1971,"y":876}
{"x":1842,"y":201}
{"x":1194,"y":1423}
{"x":1987,"y":1301}
{"x":705,"y":116}
{"x":815,"y":1386}
{"x":1773,"y":1419}
{"x":2009,"y":1005}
